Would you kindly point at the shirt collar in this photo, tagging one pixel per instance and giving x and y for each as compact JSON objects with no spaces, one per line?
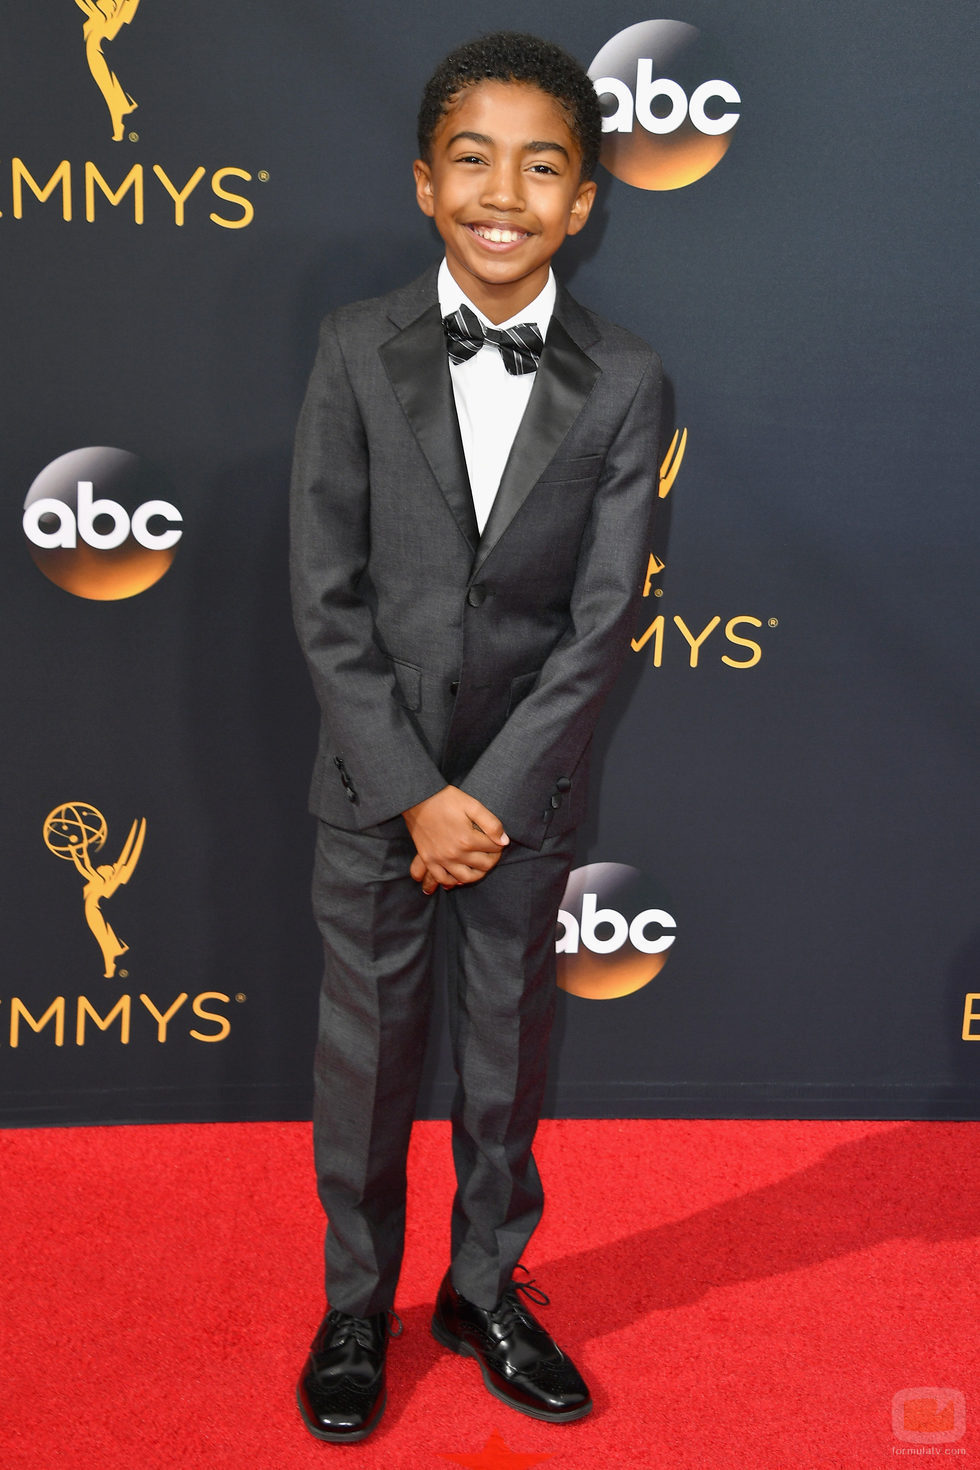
{"x":538,"y":311}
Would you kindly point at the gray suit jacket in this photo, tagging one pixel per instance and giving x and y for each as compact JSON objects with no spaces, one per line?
{"x":439,"y":655}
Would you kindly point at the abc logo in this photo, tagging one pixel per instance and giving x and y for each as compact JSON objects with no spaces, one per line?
{"x":613,"y":932}
{"x":668,"y":115}
{"x":96,"y":526}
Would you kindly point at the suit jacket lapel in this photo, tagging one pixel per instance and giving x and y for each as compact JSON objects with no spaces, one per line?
{"x":564,"y":380}
{"x":417,"y":365}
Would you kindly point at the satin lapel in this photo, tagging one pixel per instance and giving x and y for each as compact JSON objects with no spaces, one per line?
{"x":562,"y":383}
{"x":417,"y":364}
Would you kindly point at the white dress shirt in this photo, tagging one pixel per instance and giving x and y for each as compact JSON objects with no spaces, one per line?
{"x":490,"y":401}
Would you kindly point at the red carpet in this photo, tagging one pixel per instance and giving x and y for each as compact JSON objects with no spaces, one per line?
{"x":740,"y":1295}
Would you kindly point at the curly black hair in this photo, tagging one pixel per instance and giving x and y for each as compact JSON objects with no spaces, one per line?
{"x":512,"y":56}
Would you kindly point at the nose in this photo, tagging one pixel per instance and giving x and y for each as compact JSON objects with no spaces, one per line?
{"x":502,"y":188}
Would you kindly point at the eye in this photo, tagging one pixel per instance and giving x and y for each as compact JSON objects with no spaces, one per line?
{"x":543,"y":168}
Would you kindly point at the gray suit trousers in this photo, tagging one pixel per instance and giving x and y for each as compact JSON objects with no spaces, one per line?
{"x":378,"y":938}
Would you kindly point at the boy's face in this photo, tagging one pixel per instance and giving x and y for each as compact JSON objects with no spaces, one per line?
{"x":504,"y":189}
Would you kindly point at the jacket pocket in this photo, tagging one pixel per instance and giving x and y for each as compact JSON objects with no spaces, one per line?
{"x":408,"y":683}
{"x":520,"y":688}
{"x":566,"y":471}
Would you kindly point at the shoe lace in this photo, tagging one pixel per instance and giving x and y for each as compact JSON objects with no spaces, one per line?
{"x":530,"y":1288}
{"x":511,"y":1307}
{"x":359,"y":1328}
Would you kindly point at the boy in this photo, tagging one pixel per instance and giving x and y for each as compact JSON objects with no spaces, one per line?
{"x":470,"y":517}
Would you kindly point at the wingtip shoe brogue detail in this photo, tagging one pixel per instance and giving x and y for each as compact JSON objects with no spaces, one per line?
{"x":341,"y":1392}
{"x":520,"y":1362}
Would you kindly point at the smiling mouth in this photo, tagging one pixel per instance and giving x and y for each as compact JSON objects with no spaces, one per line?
{"x":499,"y":234}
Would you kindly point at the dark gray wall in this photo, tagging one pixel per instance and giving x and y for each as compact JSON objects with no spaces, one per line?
{"x":809,"y":821}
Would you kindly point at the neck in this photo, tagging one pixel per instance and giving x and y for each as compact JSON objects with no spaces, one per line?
{"x":499,"y":302}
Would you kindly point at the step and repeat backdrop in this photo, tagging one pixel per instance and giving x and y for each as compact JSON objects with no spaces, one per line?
{"x":774,"y":910}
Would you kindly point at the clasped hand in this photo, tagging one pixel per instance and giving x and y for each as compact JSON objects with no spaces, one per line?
{"x":457,"y":840}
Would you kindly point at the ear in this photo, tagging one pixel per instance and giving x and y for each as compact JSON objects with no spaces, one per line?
{"x":423,"y":187}
{"x":581,"y":206}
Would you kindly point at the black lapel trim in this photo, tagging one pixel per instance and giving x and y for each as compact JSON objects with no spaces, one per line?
{"x":417,"y":364}
{"x":562,"y":384}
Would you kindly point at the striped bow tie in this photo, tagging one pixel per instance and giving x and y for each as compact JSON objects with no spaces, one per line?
{"x":520,"y":346}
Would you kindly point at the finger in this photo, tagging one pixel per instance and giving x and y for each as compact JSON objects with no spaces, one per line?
{"x":428,"y":877}
{"x":464,"y":872}
{"x":476,"y":840}
{"x":488,"y":824}
{"x":441,"y":874}
{"x":475,"y":875}
{"x":481,"y":861}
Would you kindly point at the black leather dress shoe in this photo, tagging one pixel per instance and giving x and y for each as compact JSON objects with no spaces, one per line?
{"x":520,"y":1362}
{"x":341,"y":1393}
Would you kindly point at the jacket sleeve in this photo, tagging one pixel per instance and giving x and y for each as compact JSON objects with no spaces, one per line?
{"x":546,"y":735}
{"x":367,"y":735}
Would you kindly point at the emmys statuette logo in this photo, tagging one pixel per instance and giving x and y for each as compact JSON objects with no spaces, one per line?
{"x":668,"y":113}
{"x":105,"y":20}
{"x":98,"y":545}
{"x":73,"y":832}
{"x":614,"y":933}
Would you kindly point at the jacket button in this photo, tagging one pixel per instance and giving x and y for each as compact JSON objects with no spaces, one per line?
{"x":351,"y":795}
{"x":563,"y":784}
{"x":454,"y":688}
{"x":477,"y":595}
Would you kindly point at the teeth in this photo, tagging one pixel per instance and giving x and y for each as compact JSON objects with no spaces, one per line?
{"x":498,"y":236}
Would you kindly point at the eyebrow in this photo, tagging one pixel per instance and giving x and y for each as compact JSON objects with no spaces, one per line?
{"x":536,"y":146}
